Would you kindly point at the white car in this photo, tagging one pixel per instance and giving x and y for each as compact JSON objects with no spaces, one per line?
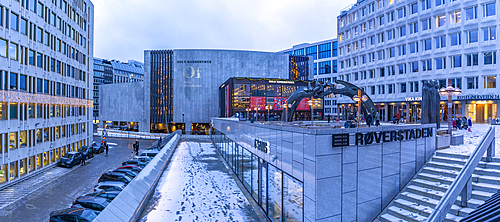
{"x":109,"y":186}
{"x":145,"y":159}
{"x":150,"y":153}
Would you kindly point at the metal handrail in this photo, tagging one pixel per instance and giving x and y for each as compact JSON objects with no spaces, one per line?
{"x":444,"y":205}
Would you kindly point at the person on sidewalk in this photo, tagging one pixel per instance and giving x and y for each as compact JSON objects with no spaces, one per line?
{"x":83,"y":159}
{"x":398,"y":117}
{"x":470,"y":124}
{"x":106,"y":148}
{"x":377,"y":119}
{"x":369,"y":119}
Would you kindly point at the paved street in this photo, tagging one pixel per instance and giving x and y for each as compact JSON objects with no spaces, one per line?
{"x":198,"y":187}
{"x":58,"y":187}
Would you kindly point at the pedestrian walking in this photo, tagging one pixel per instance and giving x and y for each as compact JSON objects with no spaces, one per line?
{"x":106,"y":147}
{"x":377,"y":119}
{"x":454,"y":124}
{"x":136,"y":147}
{"x":398,"y":117}
{"x":470,"y":124}
{"x":83,"y":159}
{"x":369,"y":119}
{"x":328,"y":117}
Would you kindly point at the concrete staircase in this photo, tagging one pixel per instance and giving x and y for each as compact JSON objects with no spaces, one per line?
{"x":421,"y":195}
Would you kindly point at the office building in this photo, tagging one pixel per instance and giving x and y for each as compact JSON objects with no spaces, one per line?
{"x":113,"y":71}
{"x":324,"y":55}
{"x":389,"y":47}
{"x":46,"y":51}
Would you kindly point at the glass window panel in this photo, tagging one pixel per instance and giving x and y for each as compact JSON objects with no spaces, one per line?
{"x":3,"y":48}
{"x":292,"y":199}
{"x":13,"y":140}
{"x":275,"y":194}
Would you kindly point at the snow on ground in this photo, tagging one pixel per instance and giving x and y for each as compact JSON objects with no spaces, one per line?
{"x":197,"y":187}
{"x":472,"y":139}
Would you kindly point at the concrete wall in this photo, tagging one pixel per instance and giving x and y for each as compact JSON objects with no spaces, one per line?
{"x":196,"y":85}
{"x":351,"y":183}
{"x":128,"y":205}
{"x":124,"y":102}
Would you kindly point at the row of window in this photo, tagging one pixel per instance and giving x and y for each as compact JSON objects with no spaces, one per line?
{"x":25,"y":111}
{"x":454,"y":39}
{"x":454,"y":17}
{"x":15,"y":81}
{"x":488,"y":9}
{"x":455,"y":61}
{"x":321,"y":51}
{"x":325,"y":67}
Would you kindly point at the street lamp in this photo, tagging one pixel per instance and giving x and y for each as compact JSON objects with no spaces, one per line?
{"x":449,"y":91}
{"x":358,"y":98}
{"x":268,"y":107}
{"x":248,"y":110}
{"x":257,"y":113}
{"x":286,"y":106}
{"x":312,"y":102}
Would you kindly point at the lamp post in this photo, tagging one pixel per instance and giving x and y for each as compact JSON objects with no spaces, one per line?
{"x":312,"y":102}
{"x":257,"y":113}
{"x":358,"y":98}
{"x":268,"y":107}
{"x":449,"y":91}
{"x":248,"y":110}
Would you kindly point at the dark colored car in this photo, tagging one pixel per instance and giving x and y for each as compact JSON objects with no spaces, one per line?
{"x":97,"y":148}
{"x":150,"y":153}
{"x":70,"y":159}
{"x":135,"y":168}
{"x":129,"y":172}
{"x":73,"y":214}
{"x":90,"y":202}
{"x":154,"y":148}
{"x":134,"y":162}
{"x":110,"y":186}
{"x":88,"y":151}
{"x":115,"y":176}
{"x":110,"y":194}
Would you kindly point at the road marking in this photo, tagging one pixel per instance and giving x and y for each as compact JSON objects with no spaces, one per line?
{"x":114,"y":144}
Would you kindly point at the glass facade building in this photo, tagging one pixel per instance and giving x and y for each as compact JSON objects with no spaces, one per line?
{"x":324,"y":54}
{"x":46,"y":51}
{"x":280,"y":195}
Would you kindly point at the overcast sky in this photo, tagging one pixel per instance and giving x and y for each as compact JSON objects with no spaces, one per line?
{"x":125,"y":28}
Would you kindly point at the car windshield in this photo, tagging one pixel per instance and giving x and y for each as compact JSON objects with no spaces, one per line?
{"x":69,"y":155}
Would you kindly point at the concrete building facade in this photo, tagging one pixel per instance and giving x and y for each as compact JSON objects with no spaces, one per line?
{"x":46,"y":51}
{"x":388,"y":47}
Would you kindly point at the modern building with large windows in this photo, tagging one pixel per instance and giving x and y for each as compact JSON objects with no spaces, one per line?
{"x":388,"y":47}
{"x":46,"y":50}
{"x":324,"y":54}
{"x":181,"y":86}
{"x":114,"y":71}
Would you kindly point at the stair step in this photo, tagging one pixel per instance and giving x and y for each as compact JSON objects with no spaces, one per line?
{"x":449,"y":160}
{"x":435,"y":178}
{"x":452,"y":218}
{"x":406,"y":215}
{"x":486,"y":187}
{"x":487,"y":172}
{"x":390,"y":218}
{"x":464,"y":212}
{"x":422,"y":200}
{"x":486,"y":179}
{"x":489,"y":165}
{"x":481,"y":195}
{"x":413,"y":207}
{"x":451,"y":155}
{"x":445,"y":166}
{"x":434,"y":194}
{"x":431,"y":185}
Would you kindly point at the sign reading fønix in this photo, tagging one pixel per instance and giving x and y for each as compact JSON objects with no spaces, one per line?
{"x":262,"y":145}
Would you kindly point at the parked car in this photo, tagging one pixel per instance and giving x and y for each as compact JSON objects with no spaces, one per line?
{"x":70,"y":159}
{"x":153,"y":148}
{"x":134,"y":162}
{"x":94,"y":203}
{"x":110,"y":194}
{"x":73,"y":214}
{"x":88,"y":151}
{"x":145,"y":159}
{"x":109,"y":186}
{"x":97,"y":148}
{"x":128,"y":172}
{"x":150,"y":153}
{"x":115,"y":176}
{"x":135,"y":168}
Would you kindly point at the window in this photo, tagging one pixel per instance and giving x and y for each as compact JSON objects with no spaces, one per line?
{"x":45,"y":86}
{"x":390,"y":34}
{"x":472,"y":82}
{"x":472,"y":59}
{"x":426,"y":24}
{"x":38,"y":85}
{"x":14,"y":21}
{"x":456,"y":61}
{"x":3,"y":48}
{"x":490,"y":58}
{"x":310,"y":51}
{"x":456,"y":83}
{"x":39,"y":34}
{"x":392,"y":52}
{"x":413,"y":47}
{"x":46,"y":38}
{"x":403,"y":87}
{"x":401,"y":13}
{"x":372,"y":90}
{"x":488,"y":9}
{"x":441,"y":63}
{"x":13,"y":81}
{"x":472,"y":36}
{"x":325,"y":51}
{"x":455,"y":39}
{"x":427,"y":65}
{"x":325,"y":67}
{"x":380,"y":37}
{"x":39,"y":60}
{"x":414,"y":27}
{"x":471,"y":13}
{"x":455,"y":17}
{"x":441,"y":21}
{"x":390,"y":16}
{"x":390,"y":88}
{"x":380,"y":55}
{"x":381,"y":20}
{"x":380,"y":3}
{"x":414,"y":8}
{"x":440,"y":2}
{"x":402,"y":31}
{"x":490,"y":82}
{"x":22,"y":82}
{"x":13,"y":53}
{"x":32,"y":5}
{"x":402,"y":50}
{"x":427,"y":44}
{"x":381,"y":72}
{"x":31,"y":57}
{"x":402,"y":68}
{"x":24,"y":26}
{"x":440,"y":42}
{"x":414,"y":67}
{"x":39,"y":10}
{"x":490,"y":33}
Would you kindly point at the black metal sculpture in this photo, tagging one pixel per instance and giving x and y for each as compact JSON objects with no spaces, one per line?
{"x":430,"y":102}
{"x":324,"y":89}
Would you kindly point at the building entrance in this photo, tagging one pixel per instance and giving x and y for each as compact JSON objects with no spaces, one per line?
{"x":482,"y":112}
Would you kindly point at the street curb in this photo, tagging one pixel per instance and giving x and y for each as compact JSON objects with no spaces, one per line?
{"x":130,"y":203}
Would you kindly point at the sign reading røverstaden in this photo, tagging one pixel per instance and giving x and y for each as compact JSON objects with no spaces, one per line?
{"x":381,"y":137}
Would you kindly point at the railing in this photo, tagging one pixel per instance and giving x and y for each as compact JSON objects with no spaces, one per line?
{"x":462,"y":185}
